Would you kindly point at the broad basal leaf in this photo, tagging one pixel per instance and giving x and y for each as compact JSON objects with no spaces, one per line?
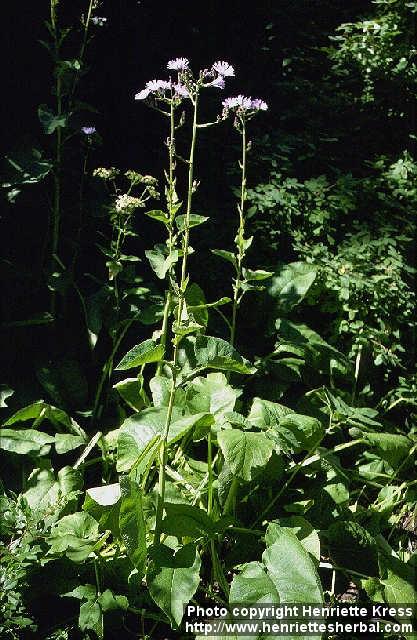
{"x":266,"y":414}
{"x":291,"y":569}
{"x":253,"y":585}
{"x":305,"y":533}
{"x":392,"y":447}
{"x":65,"y":442}
{"x":244,"y":450}
{"x":75,"y":535}
{"x":296,"y":432}
{"x":173,"y":587}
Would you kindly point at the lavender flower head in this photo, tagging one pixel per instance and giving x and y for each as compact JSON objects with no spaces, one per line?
{"x":153,"y":87}
{"x":88,"y":131}
{"x":179,"y":64}
{"x":243,"y":106}
{"x":223,"y":68}
{"x":259,"y":105}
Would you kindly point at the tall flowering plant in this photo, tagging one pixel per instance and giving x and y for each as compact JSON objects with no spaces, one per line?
{"x":167,"y":96}
{"x":242,"y":109}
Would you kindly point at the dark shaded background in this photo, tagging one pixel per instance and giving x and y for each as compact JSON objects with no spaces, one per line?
{"x":306,"y":111}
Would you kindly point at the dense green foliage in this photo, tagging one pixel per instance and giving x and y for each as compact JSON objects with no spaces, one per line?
{"x":253,"y":445}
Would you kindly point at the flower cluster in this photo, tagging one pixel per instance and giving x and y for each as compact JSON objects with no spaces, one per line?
{"x":138,"y":178}
{"x":163,"y":89}
{"x":106,"y":174}
{"x":149,"y":182}
{"x":224,"y":69}
{"x":186,"y":83}
{"x":127,"y":204}
{"x":243,"y":106}
{"x":217,"y":73}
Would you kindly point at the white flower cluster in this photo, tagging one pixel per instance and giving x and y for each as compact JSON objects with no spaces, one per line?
{"x":127,"y":204}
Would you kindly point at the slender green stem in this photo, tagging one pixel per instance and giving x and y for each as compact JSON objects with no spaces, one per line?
{"x":82,"y":49}
{"x":108,"y":368}
{"x":171,"y":154}
{"x":210,"y":474}
{"x":97,"y":575}
{"x":229,"y":505}
{"x":183,"y":283}
{"x":239,"y":238}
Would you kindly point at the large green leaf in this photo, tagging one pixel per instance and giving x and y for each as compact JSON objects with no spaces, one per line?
{"x":44,"y":490}
{"x":132,"y":522}
{"x":187,"y":520}
{"x":244,"y":451}
{"x":160,"y":260}
{"x":266,"y":414}
{"x":130,"y":390}
{"x":65,"y":442}
{"x":75,"y":535}
{"x":103,"y":503}
{"x":194,"y":221}
{"x":91,"y":617}
{"x":253,"y":586}
{"x":141,"y":429}
{"x":215,"y":353}
{"x":173,"y":587}
{"x":212,"y":394}
{"x":146,"y":351}
{"x":161,"y":390}
{"x":392,"y":447}
{"x":40,"y":411}
{"x":25,"y":441}
{"x":399,"y":581}
{"x":305,"y":533}
{"x":290,"y":283}
{"x":298,"y":339}
{"x":296,"y":432}
{"x":291,"y":569}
